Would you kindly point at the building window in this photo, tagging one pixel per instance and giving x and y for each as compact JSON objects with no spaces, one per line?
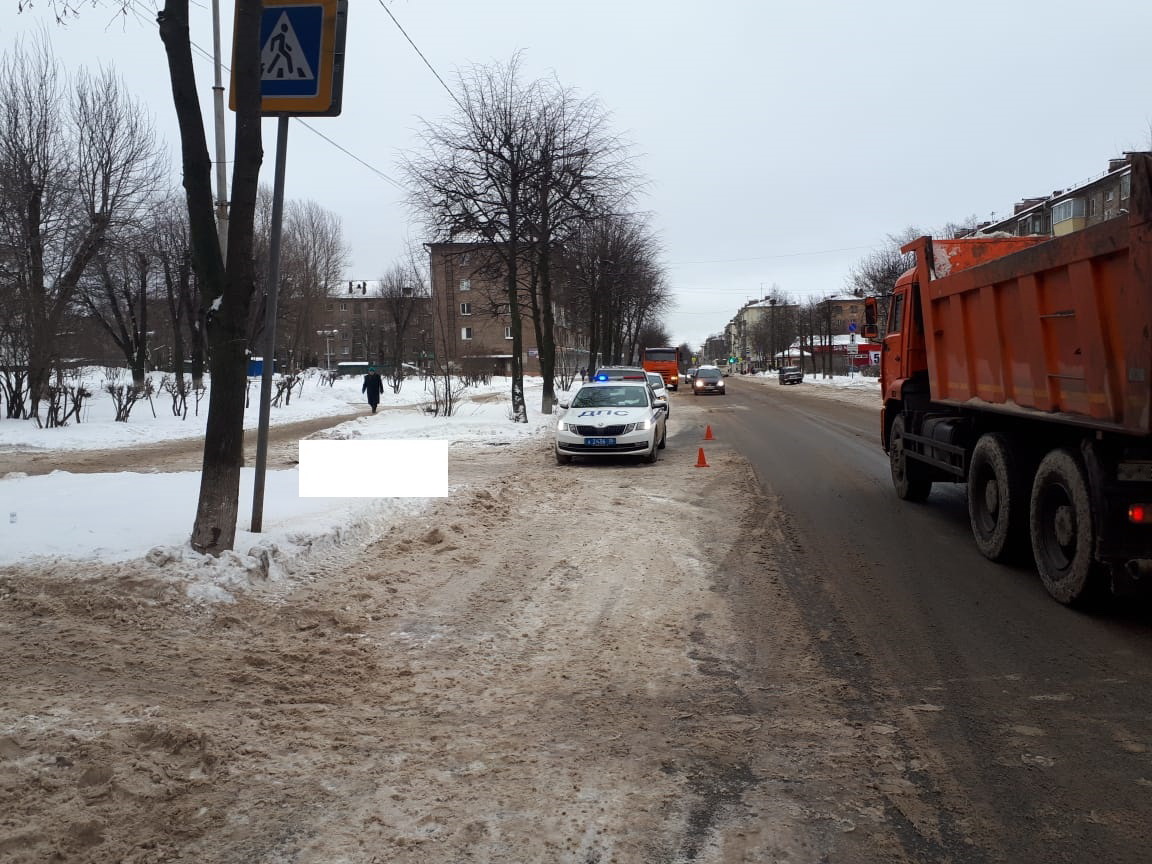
{"x":1109,"y":196}
{"x":346,"y":351}
{"x":508,"y":332}
{"x":465,"y":332}
{"x":345,"y":335}
{"x":465,"y":284}
{"x":328,"y":307}
{"x":343,"y":307}
{"x":1125,"y":187}
{"x":465,"y":308}
{"x":1071,"y":208}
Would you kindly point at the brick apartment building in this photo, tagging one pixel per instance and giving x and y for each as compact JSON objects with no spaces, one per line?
{"x":356,"y":325}
{"x":471,"y":316}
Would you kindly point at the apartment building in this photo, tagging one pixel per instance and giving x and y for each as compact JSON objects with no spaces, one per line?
{"x":357,"y":324}
{"x":471,"y":315}
{"x":1068,"y":210}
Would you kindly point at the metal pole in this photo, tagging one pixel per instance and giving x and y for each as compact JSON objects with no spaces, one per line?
{"x":270,"y":325}
{"x":221,"y":164}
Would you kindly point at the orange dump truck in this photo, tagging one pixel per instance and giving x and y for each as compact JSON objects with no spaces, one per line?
{"x":1022,"y":366}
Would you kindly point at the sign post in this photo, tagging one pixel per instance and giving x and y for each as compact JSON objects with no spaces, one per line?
{"x":301,"y":73}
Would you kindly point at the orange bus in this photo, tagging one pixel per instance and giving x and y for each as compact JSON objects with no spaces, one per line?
{"x":666,"y":361}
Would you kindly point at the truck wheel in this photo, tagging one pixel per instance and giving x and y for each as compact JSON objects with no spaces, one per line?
{"x":1062,"y":531}
{"x":908,"y":476}
{"x":997,"y":503}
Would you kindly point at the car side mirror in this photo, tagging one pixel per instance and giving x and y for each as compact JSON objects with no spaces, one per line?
{"x":563,"y":405}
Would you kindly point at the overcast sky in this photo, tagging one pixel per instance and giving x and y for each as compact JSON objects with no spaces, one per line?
{"x":781,"y":141}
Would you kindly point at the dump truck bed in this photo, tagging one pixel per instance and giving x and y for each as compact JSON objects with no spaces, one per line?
{"x":1061,"y":328}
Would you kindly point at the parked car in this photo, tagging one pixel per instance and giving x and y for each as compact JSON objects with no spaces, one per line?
{"x":620,"y":373}
{"x":690,"y":374}
{"x":611,"y":418}
{"x":708,"y":379}
{"x":656,"y":381}
{"x":791,"y":375}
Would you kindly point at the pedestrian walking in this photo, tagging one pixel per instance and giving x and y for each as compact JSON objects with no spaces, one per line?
{"x":373,"y":386}
{"x":583,"y":373}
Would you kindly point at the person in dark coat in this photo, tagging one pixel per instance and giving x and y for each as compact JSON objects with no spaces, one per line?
{"x":373,"y":386}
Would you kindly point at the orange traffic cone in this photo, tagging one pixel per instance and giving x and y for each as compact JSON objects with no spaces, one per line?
{"x":701,"y":462}
{"x":708,"y":433}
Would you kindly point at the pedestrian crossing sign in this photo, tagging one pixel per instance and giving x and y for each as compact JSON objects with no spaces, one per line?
{"x":301,"y":56}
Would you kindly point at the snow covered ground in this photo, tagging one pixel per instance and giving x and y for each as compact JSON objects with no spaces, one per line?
{"x":120,"y":515}
{"x":124,"y":515}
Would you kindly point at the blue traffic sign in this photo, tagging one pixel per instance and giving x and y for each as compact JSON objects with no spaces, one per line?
{"x":851,"y":326}
{"x":290,"y":44}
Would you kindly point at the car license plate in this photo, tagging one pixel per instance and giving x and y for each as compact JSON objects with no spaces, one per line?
{"x":599,"y":442}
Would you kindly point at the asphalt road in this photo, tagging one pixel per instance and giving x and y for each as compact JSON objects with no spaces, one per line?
{"x":1026,"y":726}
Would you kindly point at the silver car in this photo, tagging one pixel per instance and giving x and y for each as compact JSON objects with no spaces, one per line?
{"x":656,"y":381}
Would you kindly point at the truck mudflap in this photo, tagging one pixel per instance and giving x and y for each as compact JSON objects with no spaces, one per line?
{"x":1123,"y":544}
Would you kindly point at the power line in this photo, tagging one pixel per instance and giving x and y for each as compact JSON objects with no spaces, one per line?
{"x":420,"y":54}
{"x":352,"y":155}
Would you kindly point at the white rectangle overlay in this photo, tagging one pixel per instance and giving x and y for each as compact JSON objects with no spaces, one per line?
{"x":373,"y":469}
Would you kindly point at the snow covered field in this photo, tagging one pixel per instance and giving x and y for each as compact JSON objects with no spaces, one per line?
{"x":123,"y":515}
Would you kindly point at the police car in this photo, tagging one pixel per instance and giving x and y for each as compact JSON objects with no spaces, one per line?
{"x":611,"y":418}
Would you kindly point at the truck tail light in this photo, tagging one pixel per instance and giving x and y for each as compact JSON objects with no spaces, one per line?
{"x":1141,"y":514}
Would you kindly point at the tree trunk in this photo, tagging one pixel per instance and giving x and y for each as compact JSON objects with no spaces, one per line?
{"x":225,"y":296}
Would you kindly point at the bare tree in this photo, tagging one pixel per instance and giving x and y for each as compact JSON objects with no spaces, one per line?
{"x":115,"y":294}
{"x":618,"y":286}
{"x":583,"y":170}
{"x":876,"y":273}
{"x":76,"y":168}
{"x":401,"y":289}
{"x":475,"y":180}
{"x":313,"y":257}
{"x":174,"y":256}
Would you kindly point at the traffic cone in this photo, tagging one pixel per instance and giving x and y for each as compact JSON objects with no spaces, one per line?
{"x":708,"y":433}
{"x":701,"y":462}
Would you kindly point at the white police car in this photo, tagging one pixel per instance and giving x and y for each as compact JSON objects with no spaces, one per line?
{"x":611,"y":418}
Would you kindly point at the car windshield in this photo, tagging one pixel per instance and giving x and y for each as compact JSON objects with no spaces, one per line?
{"x":711,"y":374}
{"x":791,"y":369}
{"x":611,"y":397}
{"x":655,"y":380}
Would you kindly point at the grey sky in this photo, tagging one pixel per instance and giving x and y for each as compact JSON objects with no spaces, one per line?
{"x":781,"y":141}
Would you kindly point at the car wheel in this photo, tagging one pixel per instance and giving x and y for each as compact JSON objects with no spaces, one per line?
{"x":997,"y":503}
{"x":663,"y":438}
{"x":909,"y":477}
{"x":563,"y":458}
{"x":651,"y":456}
{"x":1060,"y":522}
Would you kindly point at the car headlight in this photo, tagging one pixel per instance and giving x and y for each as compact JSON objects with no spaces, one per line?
{"x":642,"y":426}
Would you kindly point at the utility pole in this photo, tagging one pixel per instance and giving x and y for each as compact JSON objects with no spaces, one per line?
{"x":221,"y":163}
